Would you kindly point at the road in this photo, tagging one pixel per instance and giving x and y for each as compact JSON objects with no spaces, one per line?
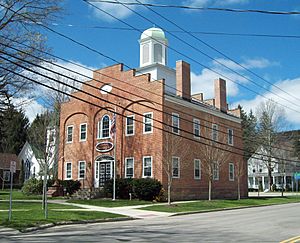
{"x":261,"y":224}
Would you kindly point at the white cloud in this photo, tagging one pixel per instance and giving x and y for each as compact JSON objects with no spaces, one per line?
{"x":203,"y":82}
{"x":30,"y":106}
{"x":117,"y":10}
{"x":290,"y":86}
{"x":207,"y":3}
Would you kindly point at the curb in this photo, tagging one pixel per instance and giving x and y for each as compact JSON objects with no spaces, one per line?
{"x":228,"y":209}
{"x":46,"y":226}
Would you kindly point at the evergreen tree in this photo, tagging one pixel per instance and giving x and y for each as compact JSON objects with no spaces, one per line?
{"x":13,"y":133}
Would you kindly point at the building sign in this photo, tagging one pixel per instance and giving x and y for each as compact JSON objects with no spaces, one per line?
{"x":103,"y":147}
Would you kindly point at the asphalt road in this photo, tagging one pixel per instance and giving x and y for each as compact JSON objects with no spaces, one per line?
{"x":262,"y":224}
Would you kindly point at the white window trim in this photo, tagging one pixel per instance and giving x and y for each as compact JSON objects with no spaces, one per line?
{"x":178,"y":158}
{"x":66,"y":174}
{"x":133,"y":126}
{"x":67,"y":135}
{"x":176,"y":115}
{"x":196,"y":122}
{"x":144,"y":119}
{"x":215,"y":130}
{"x":126,"y":159}
{"x":197,"y":160}
{"x":231,"y":179}
{"x":99,"y":133}
{"x":83,"y":140}
{"x":144,"y":157}
{"x":81,"y":161}
{"x":218,"y":172}
{"x":228,"y":136}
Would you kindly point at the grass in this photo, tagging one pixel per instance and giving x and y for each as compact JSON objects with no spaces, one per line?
{"x":30,"y":214}
{"x":109,"y":203}
{"x":205,"y":205}
{"x":18,"y":195}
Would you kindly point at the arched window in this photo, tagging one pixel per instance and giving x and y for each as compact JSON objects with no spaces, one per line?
{"x":157,"y":53}
{"x":146,"y":53}
{"x":103,"y":127}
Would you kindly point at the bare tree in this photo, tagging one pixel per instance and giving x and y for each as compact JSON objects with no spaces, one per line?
{"x":240,"y":171}
{"x":20,"y":38}
{"x":271,"y":121}
{"x":213,"y":156}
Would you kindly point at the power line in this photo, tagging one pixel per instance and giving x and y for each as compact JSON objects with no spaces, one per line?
{"x":224,"y":55}
{"x":118,"y":113}
{"x":137,"y":95}
{"x":260,"y":11}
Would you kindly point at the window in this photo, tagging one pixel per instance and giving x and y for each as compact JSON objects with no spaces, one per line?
{"x":69,"y":134}
{"x":231,"y":171}
{"x":103,"y":127}
{"x":157,"y":53}
{"x":129,"y":167}
{"x":230,"y":136}
{"x":215,"y":171}
{"x":147,"y":166}
{"x":214,"y":132}
{"x":148,"y":122}
{"x":69,"y":170}
{"x":130,"y":125}
{"x":175,"y":123}
{"x":83,"y":131}
{"x":6,"y":175}
{"x":196,"y":123}
{"x":145,"y":53}
{"x":81,"y":169}
{"x":197,"y":169}
{"x":175,"y":167}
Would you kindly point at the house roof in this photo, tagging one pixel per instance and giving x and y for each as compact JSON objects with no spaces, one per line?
{"x":5,"y":160}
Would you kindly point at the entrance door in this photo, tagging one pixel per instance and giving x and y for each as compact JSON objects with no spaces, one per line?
{"x":103,"y":170}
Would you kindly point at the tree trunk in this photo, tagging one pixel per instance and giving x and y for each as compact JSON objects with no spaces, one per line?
{"x":169,"y":194}
{"x":239,"y":189}
{"x":209,"y":190}
{"x":270,"y":177}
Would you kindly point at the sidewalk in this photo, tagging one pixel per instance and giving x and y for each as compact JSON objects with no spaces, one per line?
{"x":130,"y":211}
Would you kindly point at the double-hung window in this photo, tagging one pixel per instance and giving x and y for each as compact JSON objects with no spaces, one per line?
{"x":231,"y":171}
{"x":175,"y":167}
{"x":214,"y":132}
{"x":129,"y":167}
{"x":68,"y":170}
{"x":230,"y":136}
{"x":197,"y":169}
{"x":70,"y":134}
{"x":175,"y":123}
{"x":81,"y":170}
{"x":129,"y":125}
{"x":196,"y":123}
{"x":147,"y":166}
{"x":148,"y":122}
{"x":215,"y":171}
{"x":83,"y":132}
{"x":103,"y":127}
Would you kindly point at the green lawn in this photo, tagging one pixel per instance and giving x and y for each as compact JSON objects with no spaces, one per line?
{"x":205,"y":205}
{"x":109,"y":203}
{"x":30,"y":214}
{"x":18,"y":195}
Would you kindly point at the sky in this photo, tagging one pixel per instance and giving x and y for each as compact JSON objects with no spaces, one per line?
{"x":272,"y":63}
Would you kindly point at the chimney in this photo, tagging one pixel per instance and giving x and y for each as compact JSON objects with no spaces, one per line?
{"x":198,"y":96}
{"x":220,"y":94}
{"x":183,"y":80}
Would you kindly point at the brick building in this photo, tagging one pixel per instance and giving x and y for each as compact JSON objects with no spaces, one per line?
{"x":149,"y":101}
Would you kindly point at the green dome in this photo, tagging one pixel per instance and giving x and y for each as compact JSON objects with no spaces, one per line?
{"x":155,"y":33}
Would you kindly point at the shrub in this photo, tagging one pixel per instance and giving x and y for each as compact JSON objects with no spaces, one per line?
{"x":123,"y":187}
{"x":70,"y":186}
{"x":34,"y":186}
{"x":146,"y":188}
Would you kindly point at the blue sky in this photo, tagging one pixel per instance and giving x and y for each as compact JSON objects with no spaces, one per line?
{"x":274,"y":59}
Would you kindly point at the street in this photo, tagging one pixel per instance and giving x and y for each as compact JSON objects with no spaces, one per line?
{"x":261,"y":224}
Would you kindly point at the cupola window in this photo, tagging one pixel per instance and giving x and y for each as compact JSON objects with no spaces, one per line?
{"x":157,"y":53}
{"x":146,"y":53}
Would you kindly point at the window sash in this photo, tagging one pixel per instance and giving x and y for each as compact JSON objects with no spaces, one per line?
{"x":196,"y":123}
{"x":69,"y":134}
{"x":175,"y":167}
{"x":230,"y":136}
{"x":175,"y":123}
{"x":104,"y":127}
{"x":197,"y":169}
{"x":81,"y":170}
{"x":215,"y":172}
{"x":148,"y":122}
{"x":69,"y":170}
{"x":83,"y":132}
{"x":129,"y":167}
{"x":215,"y":132}
{"x":130,"y":125}
{"x":231,"y":171}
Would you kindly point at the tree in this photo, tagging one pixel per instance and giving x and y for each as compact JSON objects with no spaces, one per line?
{"x":271,"y":121}
{"x":21,"y":38}
{"x":213,"y":156}
{"x":13,"y":130}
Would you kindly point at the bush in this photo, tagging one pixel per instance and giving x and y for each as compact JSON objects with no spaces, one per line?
{"x":123,"y":187}
{"x":70,"y":186}
{"x":34,"y":186}
{"x":146,"y":188}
